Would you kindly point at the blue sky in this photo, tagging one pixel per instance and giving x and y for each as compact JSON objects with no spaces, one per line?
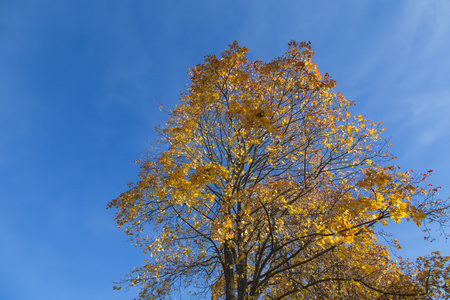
{"x":80,"y":83}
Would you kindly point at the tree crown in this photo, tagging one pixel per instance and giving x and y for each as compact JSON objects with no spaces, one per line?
{"x":267,"y":187}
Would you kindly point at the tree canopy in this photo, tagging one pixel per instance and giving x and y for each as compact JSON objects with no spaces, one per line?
{"x":264,"y":186}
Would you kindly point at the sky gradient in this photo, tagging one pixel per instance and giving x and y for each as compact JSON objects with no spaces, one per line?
{"x":80,"y":83}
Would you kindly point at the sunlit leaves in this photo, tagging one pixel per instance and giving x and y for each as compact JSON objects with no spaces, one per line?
{"x":267,"y":187}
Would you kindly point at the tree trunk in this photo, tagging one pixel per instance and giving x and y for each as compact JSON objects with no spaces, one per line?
{"x":241,"y":269}
{"x":230,"y":283}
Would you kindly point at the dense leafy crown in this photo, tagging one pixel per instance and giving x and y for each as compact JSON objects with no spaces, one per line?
{"x":268,"y":188}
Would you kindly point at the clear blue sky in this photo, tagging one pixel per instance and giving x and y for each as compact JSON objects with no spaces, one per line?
{"x":79,"y":87}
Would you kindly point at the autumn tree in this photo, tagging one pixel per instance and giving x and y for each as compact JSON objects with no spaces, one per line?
{"x":266,"y":187}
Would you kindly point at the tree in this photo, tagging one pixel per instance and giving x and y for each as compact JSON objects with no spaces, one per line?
{"x":266,"y":187}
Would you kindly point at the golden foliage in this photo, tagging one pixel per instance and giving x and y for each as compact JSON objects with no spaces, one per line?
{"x":268,"y":188}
